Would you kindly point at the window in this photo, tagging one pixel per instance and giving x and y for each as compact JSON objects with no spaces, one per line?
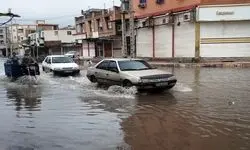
{"x":108,"y":23}
{"x":20,"y":31}
{"x":1,"y":42}
{"x":103,"y":65}
{"x":48,"y":60}
{"x":1,"y":36}
{"x":143,"y":1}
{"x":1,"y":30}
{"x":132,"y":65}
{"x":159,"y":1}
{"x":99,"y":24}
{"x":56,"y":33}
{"x":69,"y":32}
{"x":90,"y":26}
{"x":113,"y":66}
{"x":62,"y":60}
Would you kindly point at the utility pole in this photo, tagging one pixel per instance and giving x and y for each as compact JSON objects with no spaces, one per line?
{"x":132,"y":29}
{"x":124,"y":11}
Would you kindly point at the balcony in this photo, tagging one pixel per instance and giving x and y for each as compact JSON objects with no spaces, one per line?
{"x":80,"y":36}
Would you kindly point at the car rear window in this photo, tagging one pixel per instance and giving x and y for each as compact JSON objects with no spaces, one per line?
{"x":62,"y":60}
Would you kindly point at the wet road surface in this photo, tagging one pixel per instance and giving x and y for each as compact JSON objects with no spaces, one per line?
{"x":208,"y":109}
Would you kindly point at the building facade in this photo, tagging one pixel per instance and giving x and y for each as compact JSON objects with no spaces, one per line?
{"x":99,"y":32}
{"x":54,"y":42}
{"x":191,"y":29}
{"x":4,"y":41}
{"x":17,"y":34}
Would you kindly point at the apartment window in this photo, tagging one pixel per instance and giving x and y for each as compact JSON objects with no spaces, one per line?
{"x":108,"y":23}
{"x":159,"y":1}
{"x":1,"y":36}
{"x":143,"y":1}
{"x":69,"y":32}
{"x":90,"y":26}
{"x":1,"y":30}
{"x":1,"y":42}
{"x":20,"y":31}
{"x":18,"y":38}
{"x":56,"y":33}
{"x":99,"y":24}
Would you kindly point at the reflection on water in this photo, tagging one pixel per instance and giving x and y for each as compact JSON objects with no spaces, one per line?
{"x":24,"y":97}
{"x":207,"y":109}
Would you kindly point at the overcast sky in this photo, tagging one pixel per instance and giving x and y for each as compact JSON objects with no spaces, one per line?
{"x":53,"y":11}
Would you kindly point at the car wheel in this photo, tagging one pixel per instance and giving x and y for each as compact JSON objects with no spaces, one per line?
{"x":127,"y":83}
{"x":93,"y":79}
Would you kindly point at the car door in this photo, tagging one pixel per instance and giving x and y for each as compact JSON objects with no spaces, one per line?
{"x":113,"y":75}
{"x":101,"y":72}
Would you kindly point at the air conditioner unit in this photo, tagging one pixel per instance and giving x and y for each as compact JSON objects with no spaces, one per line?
{"x":142,"y":5}
{"x":188,"y":17}
{"x":170,"y":19}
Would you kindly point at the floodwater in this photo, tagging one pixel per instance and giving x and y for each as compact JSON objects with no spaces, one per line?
{"x":209,"y":109}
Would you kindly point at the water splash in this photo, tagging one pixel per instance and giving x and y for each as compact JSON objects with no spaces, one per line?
{"x":117,"y":92}
{"x":27,"y":80}
{"x":179,"y":87}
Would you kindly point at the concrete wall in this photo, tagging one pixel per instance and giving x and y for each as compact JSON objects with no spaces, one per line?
{"x":50,"y":35}
{"x":153,"y":8}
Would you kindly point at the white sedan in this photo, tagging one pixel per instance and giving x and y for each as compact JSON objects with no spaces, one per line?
{"x":60,"y":64}
{"x":130,"y":72}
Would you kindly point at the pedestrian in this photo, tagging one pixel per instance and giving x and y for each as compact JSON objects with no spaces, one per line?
{"x":15,"y":59}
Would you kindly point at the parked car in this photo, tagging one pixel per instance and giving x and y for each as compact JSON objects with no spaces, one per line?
{"x":130,"y":72}
{"x":60,"y":64}
{"x":71,"y":54}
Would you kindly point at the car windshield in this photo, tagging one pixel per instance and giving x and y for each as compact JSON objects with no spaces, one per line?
{"x":71,"y":52}
{"x":61,"y":60}
{"x":132,"y":65}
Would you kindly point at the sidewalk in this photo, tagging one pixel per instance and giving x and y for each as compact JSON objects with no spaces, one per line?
{"x":210,"y":64}
{"x":206,"y":64}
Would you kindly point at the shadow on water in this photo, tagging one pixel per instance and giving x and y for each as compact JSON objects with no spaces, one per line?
{"x":24,"y":97}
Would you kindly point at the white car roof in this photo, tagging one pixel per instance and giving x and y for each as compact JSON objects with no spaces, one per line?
{"x":57,"y":56}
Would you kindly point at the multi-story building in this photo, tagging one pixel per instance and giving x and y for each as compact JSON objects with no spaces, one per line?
{"x":54,"y":41}
{"x":192,"y":28}
{"x":4,"y":41}
{"x":99,"y":31}
{"x":17,"y":34}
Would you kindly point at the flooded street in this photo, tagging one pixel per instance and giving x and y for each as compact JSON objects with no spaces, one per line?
{"x":209,"y":109}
